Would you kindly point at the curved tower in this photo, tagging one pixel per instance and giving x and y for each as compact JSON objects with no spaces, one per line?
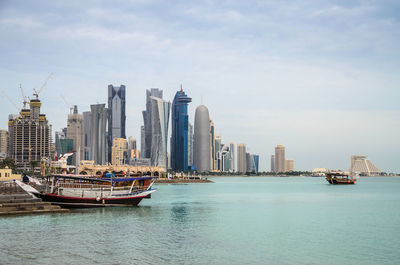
{"x":201,"y":148}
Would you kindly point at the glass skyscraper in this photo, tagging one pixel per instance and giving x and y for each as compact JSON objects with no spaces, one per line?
{"x":116,"y":115}
{"x":180,"y":132}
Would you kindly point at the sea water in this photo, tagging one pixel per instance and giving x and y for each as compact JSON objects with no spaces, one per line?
{"x":236,"y":220}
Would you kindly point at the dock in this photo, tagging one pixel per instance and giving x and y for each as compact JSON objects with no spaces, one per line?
{"x":14,"y":201}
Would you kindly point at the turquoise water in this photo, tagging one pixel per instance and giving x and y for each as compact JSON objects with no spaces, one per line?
{"x":231,"y":221}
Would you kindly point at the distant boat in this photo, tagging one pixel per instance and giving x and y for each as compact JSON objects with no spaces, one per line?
{"x":82,"y":191}
{"x":340,"y":178}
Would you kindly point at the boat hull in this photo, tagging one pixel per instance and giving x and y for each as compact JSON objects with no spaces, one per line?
{"x":341,"y":182}
{"x":78,"y":202}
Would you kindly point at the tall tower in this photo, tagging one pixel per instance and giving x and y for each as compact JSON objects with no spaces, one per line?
{"x":30,"y":136}
{"x":273,"y":163}
{"x":75,"y":132}
{"x":279,"y":158}
{"x":190,"y":145}
{"x":212,"y":145}
{"x":160,"y":110}
{"x":86,"y":135}
{"x":241,"y":158}
{"x":98,"y":123}
{"x":201,"y":149}
{"x":3,"y":142}
{"x":147,"y":120}
{"x":180,"y":132}
{"x":116,"y":115}
{"x":232,"y":151}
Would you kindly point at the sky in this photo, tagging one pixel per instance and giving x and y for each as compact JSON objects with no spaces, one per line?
{"x":320,"y":77}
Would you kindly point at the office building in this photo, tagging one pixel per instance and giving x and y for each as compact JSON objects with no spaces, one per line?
{"x":254,"y":162}
{"x":86,"y":135}
{"x":133,"y":152}
{"x":279,"y":158}
{"x":75,"y":131}
{"x":29,"y":136}
{"x":142,"y":142}
{"x":217,"y":150}
{"x":232,"y":156}
{"x":116,"y":115}
{"x":248,"y":162}
{"x":212,"y":145}
{"x":241,"y":158}
{"x":201,"y":149}
{"x":148,"y":118}
{"x":289,"y":165}
{"x":160,"y":110}
{"x":3,"y":142}
{"x":180,"y":132}
{"x":98,"y":122}
{"x":273,"y":163}
{"x":119,"y":151}
{"x":190,"y":145}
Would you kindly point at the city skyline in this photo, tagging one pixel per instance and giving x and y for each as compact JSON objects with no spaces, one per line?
{"x":320,"y":78}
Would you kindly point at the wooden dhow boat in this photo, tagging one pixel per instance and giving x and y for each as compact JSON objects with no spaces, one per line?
{"x":82,"y":191}
{"x":340,"y":178}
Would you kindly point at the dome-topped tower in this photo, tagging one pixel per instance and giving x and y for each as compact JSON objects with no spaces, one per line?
{"x":201,"y":149}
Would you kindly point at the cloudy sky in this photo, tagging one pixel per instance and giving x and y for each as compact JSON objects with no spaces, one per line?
{"x":320,"y":77}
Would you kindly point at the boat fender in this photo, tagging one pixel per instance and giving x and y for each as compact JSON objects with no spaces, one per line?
{"x":98,"y":199}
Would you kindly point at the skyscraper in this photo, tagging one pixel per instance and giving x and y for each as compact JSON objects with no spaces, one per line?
{"x":30,"y":136}
{"x":148,"y":120}
{"x":272,"y":163}
{"x":75,"y":132}
{"x":116,"y":115}
{"x":232,"y":155}
{"x":212,"y":145}
{"x":86,"y":135}
{"x":254,"y":160}
{"x":160,"y":110}
{"x":241,"y":158}
{"x":98,"y":123}
{"x":142,"y":142}
{"x":180,"y":132}
{"x":279,"y":165}
{"x":190,"y":145}
{"x":217,"y":150}
{"x":4,"y":142}
{"x":201,"y":149}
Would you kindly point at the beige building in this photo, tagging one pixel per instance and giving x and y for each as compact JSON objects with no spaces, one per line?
{"x":29,"y":136}
{"x":4,"y":141}
{"x":289,"y":165}
{"x":87,"y":167}
{"x":119,"y":151}
{"x":279,"y":158}
{"x":75,"y":132}
{"x":241,"y":158}
{"x":360,"y":165}
{"x":7,"y":175}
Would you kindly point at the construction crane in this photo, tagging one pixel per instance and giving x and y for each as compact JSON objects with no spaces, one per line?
{"x":24,"y":98}
{"x":36,"y":93}
{"x":66,"y":103}
{"x":11,"y":101}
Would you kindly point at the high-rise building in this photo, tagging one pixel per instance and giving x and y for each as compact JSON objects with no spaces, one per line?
{"x":116,"y":115}
{"x":201,"y":149}
{"x":279,"y":158}
{"x":273,"y":163}
{"x":217,"y":150}
{"x":232,"y":155}
{"x":98,"y":121}
{"x":142,"y":142}
{"x":119,"y":151}
{"x":360,"y":165}
{"x":180,"y":132}
{"x":30,"y":136}
{"x":75,"y":131}
{"x":190,"y":145}
{"x":248,"y":162}
{"x":254,"y":160}
{"x":212,"y":145}
{"x":148,"y":120}
{"x":58,"y":136}
{"x":160,"y":110}
{"x":241,"y":158}
{"x":3,"y":142}
{"x":86,"y":135}
{"x":133,"y":152}
{"x":289,"y":165}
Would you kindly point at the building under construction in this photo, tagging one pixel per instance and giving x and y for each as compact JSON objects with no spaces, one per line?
{"x":29,"y":137}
